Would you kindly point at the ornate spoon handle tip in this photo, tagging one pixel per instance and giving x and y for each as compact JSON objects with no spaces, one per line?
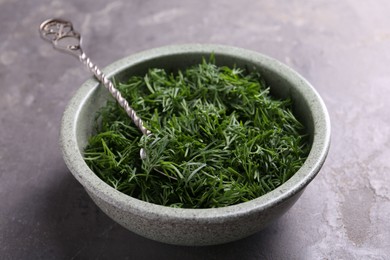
{"x":64,"y":38}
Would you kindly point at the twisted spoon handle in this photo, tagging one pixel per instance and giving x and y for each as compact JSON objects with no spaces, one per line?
{"x":115,"y":93}
{"x":64,"y":38}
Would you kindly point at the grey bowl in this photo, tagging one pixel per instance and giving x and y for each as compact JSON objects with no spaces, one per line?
{"x":195,"y":226}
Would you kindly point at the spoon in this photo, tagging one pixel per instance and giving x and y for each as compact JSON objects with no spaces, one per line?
{"x":64,"y":38}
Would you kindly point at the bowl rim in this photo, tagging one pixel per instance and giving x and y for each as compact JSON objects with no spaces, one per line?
{"x":93,"y":184}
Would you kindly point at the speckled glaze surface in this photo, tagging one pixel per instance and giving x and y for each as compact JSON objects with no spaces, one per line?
{"x":195,"y":226}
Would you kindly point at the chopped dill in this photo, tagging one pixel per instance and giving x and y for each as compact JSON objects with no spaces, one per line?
{"x":219,"y":138}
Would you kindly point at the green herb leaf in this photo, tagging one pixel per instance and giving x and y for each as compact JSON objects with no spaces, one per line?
{"x":219,"y":138}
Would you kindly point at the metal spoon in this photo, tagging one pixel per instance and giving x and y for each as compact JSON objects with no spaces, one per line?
{"x":64,"y":38}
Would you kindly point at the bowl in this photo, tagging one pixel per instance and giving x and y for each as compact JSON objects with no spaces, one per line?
{"x":195,"y":227}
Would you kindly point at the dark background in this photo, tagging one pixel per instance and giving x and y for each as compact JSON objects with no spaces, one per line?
{"x":341,"y":47}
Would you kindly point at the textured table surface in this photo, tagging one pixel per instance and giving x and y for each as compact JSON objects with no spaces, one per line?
{"x":341,"y":47}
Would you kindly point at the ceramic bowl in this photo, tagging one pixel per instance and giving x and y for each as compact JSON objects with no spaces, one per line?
{"x":195,"y":227}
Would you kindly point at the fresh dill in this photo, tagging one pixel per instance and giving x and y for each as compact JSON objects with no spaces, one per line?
{"x":219,"y":138}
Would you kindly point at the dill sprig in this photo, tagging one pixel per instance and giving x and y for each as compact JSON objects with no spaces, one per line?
{"x":219,"y":138}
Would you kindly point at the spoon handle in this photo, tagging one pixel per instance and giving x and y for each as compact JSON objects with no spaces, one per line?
{"x":115,"y":93}
{"x":64,"y":38}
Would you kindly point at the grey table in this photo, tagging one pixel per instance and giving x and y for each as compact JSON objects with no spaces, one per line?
{"x":341,"y":47}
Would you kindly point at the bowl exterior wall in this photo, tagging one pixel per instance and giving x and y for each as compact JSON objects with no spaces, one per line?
{"x":193,"y":232}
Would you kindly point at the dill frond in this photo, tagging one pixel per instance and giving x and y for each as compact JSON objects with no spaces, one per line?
{"x":219,"y":138}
